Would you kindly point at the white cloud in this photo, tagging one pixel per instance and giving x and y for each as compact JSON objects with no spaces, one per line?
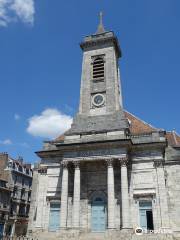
{"x":50,"y":123}
{"x":17,"y":117}
{"x":6,"y":142}
{"x":13,"y":10}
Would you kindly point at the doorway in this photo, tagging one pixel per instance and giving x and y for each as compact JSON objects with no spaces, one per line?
{"x":98,"y":215}
{"x":54,"y":217}
{"x":146,"y":215}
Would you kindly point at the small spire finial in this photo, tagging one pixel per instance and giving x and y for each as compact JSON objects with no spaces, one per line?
{"x":100,"y":26}
{"x":101,"y":18}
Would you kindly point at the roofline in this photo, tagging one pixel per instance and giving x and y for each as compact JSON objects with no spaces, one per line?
{"x":159,"y":129}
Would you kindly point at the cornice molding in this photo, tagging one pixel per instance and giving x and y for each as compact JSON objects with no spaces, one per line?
{"x":101,"y":41}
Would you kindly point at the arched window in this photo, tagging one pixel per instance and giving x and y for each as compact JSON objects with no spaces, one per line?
{"x":98,"y":68}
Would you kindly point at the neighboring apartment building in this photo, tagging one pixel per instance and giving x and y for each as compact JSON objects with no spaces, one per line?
{"x":5,"y":194}
{"x":15,"y":194}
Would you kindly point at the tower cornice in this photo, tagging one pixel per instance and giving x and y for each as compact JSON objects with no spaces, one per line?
{"x":102,"y":39}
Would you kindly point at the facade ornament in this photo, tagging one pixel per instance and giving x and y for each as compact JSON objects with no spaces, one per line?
{"x":76,"y":164}
{"x":64,"y":164}
{"x":109,"y":162}
{"x":158,"y":163}
{"x":123,"y":161}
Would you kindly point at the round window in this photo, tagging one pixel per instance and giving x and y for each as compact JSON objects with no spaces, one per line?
{"x":98,"y":100}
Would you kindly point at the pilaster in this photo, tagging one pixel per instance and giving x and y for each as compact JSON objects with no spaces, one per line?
{"x":111,"y":197}
{"x":124,"y":194}
{"x":64,"y":195}
{"x":76,"y":200}
{"x":163,"y":202}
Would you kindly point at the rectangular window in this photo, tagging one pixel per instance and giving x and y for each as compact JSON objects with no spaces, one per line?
{"x":23,"y":194}
{"x":29,"y":196}
{"x":15,"y":179}
{"x":15,"y":192}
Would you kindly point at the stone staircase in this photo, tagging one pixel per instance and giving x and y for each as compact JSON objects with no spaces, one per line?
{"x":92,"y":236}
{"x":115,"y":235}
{"x":153,"y":237}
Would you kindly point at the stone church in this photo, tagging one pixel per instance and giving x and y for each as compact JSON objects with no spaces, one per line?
{"x":111,"y":175}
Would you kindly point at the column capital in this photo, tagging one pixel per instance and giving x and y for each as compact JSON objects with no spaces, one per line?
{"x":64,"y":164}
{"x":109,"y":162}
{"x":123,"y":161}
{"x":158,"y":163}
{"x":76,"y":164}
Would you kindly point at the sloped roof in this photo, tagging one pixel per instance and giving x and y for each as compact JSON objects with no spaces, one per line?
{"x":173,"y":138}
{"x":138,"y":126}
{"x":60,"y":138}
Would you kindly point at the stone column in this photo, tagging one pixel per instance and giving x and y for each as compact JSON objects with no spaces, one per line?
{"x":76,"y":200}
{"x":111,"y":197}
{"x":125,"y":194}
{"x":64,"y":195}
{"x":163,"y":202}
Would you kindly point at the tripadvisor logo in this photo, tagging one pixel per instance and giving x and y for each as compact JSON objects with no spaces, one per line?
{"x":139,"y":231}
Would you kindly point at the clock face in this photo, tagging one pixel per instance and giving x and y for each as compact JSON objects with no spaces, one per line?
{"x":98,"y":100}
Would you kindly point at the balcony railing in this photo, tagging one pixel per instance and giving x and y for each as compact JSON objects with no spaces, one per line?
{"x":23,"y":216}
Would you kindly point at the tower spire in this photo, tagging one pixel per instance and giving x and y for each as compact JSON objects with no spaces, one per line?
{"x":100,"y":26}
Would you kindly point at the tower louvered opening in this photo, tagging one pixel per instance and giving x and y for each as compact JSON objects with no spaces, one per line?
{"x":98,"y":68}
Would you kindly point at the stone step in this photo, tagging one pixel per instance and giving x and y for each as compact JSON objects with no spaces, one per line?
{"x":103,"y":236}
{"x":153,"y":237}
{"x":92,"y":236}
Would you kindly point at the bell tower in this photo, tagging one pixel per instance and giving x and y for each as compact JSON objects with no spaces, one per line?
{"x":100,"y":107}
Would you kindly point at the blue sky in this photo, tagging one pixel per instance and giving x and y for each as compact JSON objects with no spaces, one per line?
{"x":40,"y":64}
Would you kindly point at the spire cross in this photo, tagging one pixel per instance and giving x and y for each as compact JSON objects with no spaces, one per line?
{"x":101,"y":18}
{"x":100,"y":27}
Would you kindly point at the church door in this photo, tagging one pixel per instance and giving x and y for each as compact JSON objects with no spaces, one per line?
{"x":54,"y":217}
{"x":146,"y":216}
{"x":98,"y":215}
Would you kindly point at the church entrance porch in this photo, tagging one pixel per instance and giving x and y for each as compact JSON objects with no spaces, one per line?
{"x":99,"y":192}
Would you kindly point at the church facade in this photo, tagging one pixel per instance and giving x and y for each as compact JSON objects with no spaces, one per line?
{"x":111,"y":173}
